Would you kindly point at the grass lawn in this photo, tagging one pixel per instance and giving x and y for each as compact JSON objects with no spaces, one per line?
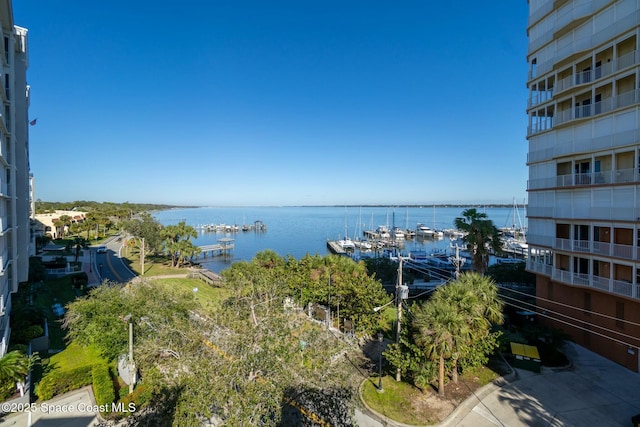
{"x":153,"y":266}
{"x":206,"y":295}
{"x":45,"y":295}
{"x":407,"y":404}
{"x":74,"y":356}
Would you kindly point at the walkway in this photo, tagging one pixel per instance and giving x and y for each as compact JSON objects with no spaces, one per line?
{"x":73,"y":409}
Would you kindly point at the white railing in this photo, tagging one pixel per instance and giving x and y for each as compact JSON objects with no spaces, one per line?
{"x":620,"y":176}
{"x":598,"y":248}
{"x":577,"y":45}
{"x":601,"y":248}
{"x":622,"y":287}
{"x":606,"y":105}
{"x":619,"y":287}
{"x":601,"y":283}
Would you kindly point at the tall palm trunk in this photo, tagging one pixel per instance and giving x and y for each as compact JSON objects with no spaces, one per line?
{"x":441,"y":376}
{"x":454,"y":370}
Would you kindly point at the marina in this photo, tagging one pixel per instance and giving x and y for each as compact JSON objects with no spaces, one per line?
{"x":299,"y":231}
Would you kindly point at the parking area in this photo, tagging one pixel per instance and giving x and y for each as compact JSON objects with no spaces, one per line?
{"x":594,"y":391}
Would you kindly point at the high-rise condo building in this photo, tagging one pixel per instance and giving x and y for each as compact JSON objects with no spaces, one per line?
{"x":14,"y":165}
{"x":584,"y":171}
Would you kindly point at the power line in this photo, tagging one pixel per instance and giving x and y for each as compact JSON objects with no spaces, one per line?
{"x":579,"y":327}
{"x":570,"y":306}
{"x":570,"y":317}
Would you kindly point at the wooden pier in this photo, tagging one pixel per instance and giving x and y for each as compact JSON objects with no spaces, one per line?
{"x":207,"y":276}
{"x":335,"y":248}
{"x":223,"y":247}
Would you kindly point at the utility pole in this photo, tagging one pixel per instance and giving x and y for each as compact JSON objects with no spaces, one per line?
{"x":402,"y":293}
{"x":457,"y":261}
{"x":132,"y":366}
{"x":142,"y":257}
{"x":329,"y":305}
{"x":399,"y":321}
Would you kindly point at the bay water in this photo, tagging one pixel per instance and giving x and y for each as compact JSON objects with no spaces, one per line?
{"x":299,"y":230}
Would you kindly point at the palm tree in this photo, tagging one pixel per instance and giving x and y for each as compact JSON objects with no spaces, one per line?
{"x":481,"y":236}
{"x":13,"y":366}
{"x":476,"y":298}
{"x":469,"y":307}
{"x":61,"y":224}
{"x":436,"y":325}
{"x":487,"y":292}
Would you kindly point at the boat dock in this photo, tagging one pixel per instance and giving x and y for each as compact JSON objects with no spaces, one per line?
{"x":224,"y":246}
{"x":335,"y":247}
{"x":257,"y":226}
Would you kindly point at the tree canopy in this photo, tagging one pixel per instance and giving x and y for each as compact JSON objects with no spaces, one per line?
{"x":481,"y":237}
{"x":248,"y":358}
{"x":453,"y":329}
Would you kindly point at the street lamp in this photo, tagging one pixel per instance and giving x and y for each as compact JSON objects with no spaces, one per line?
{"x":380,"y":338}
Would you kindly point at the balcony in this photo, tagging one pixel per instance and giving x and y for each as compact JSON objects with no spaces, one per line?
{"x":620,"y":176}
{"x":618,"y":287}
{"x":626,"y":252}
{"x":618,"y":26}
{"x":604,"y":70}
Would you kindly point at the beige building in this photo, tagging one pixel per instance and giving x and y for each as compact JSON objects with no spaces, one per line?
{"x":46,"y":223}
{"x":584,"y":171}
{"x":15,"y":235}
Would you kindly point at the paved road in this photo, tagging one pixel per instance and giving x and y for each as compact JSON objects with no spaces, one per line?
{"x":110,"y":266}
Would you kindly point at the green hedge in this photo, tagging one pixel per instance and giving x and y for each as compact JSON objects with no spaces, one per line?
{"x":103,"y":386}
{"x":58,"y":382}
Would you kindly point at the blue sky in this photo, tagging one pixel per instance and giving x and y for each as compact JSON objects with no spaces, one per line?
{"x":277,"y":102}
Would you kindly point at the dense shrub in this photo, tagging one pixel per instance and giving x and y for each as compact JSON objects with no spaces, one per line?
{"x":103,"y":386}
{"x":59,"y":381}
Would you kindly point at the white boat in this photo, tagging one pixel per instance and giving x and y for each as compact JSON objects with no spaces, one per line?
{"x":397,"y":233}
{"x":518,"y":245}
{"x":363,"y":245}
{"x":383,"y":232}
{"x":347,"y":244}
{"x":424,"y":231}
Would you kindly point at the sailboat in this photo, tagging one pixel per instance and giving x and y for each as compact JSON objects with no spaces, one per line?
{"x":408,"y":233}
{"x":514,"y":237}
{"x":347,"y":244}
{"x":363,"y":245}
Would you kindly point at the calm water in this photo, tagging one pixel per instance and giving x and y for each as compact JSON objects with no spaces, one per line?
{"x":297,"y":231}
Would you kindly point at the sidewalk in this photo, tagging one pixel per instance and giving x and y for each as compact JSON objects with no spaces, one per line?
{"x":88,"y":268}
{"x":73,"y":409}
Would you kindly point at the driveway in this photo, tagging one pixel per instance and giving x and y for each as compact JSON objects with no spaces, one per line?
{"x":594,"y":392}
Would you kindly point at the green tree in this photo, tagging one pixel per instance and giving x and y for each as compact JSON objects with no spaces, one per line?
{"x":177,"y":242}
{"x":481,"y":237}
{"x":61,"y":225}
{"x":339,"y":282}
{"x":476,"y":298}
{"x":436,"y":328}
